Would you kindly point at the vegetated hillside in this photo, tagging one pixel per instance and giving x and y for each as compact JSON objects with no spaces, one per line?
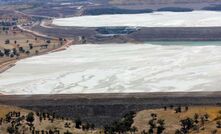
{"x":179,"y":120}
{"x":15,"y":120}
{"x":167,"y":120}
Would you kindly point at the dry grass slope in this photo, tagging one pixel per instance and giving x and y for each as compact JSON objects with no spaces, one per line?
{"x":45,"y":124}
{"x":172,"y":119}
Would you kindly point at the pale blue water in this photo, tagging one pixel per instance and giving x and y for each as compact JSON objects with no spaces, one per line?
{"x":186,"y":43}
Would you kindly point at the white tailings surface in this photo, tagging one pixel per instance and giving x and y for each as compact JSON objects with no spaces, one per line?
{"x":117,"y":68}
{"x":156,"y":19}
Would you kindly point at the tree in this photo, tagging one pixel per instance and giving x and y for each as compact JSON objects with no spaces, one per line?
{"x":12,"y":55}
{"x":196,"y":128}
{"x":27,"y":52}
{"x":171,"y":106}
{"x":92,"y":126}
{"x":78,"y":123}
{"x":108,"y":129}
{"x":7,"y":41}
{"x":40,"y":118}
{"x":186,"y":125}
{"x":60,"y":39}
{"x":178,"y":132}
{"x":8,"y":117}
{"x":1,"y":54}
{"x":120,"y":126}
{"x":133,"y":129}
{"x":83,"y":40}
{"x":11,"y":130}
{"x":87,"y":126}
{"x":30,"y":46}
{"x":51,"y":132}
{"x":161,"y":122}
{"x":218,"y":124}
{"x":153,"y":115}
{"x":158,"y":125}
{"x":7,"y":52}
{"x":36,"y":52}
{"x":206,"y":116}
{"x":196,"y":117}
{"x":165,"y":108}
{"x":48,"y":41}
{"x":14,"y":51}
{"x":178,"y":109}
{"x":202,"y":120}
{"x":186,"y":108}
{"x":150,"y":131}
{"x":144,"y":132}
{"x":67,"y":132}
{"x":21,"y":49}
{"x":214,"y":131}
{"x":161,"y":126}
{"x":152,"y":123}
{"x":67,"y":125}
{"x":30,"y":117}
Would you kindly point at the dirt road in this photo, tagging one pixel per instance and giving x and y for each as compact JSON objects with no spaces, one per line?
{"x":8,"y":64}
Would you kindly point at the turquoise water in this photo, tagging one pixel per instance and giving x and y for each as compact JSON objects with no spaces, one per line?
{"x":186,"y":43}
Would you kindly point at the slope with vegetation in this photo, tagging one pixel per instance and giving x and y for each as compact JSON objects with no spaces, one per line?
{"x":167,"y":120}
{"x":15,"y":120}
{"x":179,"y":120}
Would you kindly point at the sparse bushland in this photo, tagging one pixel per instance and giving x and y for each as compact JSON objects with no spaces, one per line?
{"x":189,"y":120}
{"x":179,"y":120}
{"x":14,"y":120}
{"x":124,"y":125}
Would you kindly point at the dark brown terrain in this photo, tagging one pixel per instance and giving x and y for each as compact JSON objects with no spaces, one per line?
{"x":141,"y":35}
{"x":104,"y":108}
